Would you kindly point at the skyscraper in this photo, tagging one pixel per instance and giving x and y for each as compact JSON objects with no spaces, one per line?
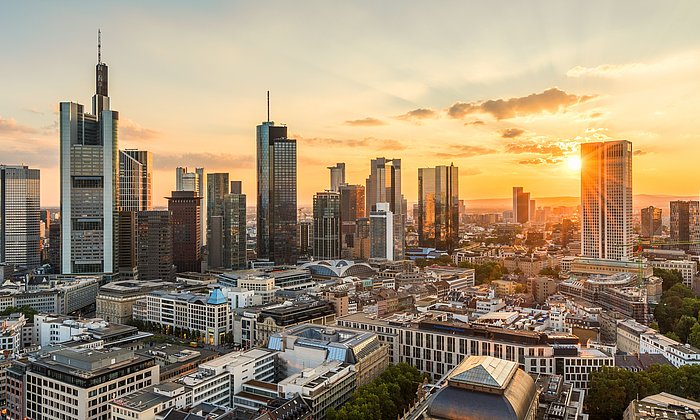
{"x":326,"y":230}
{"x":337,"y":173}
{"x":383,"y":187}
{"x":438,"y":207}
{"x":381,"y":230}
{"x":352,"y":207}
{"x":194,"y":181}
{"x":155,"y":246}
{"x":306,"y":238}
{"x":89,"y":183}
{"x":127,"y":263}
{"x":685,"y":225}
{"x":277,"y":194}
{"x":135,"y":180}
{"x":217,"y":188}
{"x":185,"y":209}
{"x":20,"y":237}
{"x":606,"y":200}
{"x":521,"y":205}
{"x":234,"y":229}
{"x":651,"y":222}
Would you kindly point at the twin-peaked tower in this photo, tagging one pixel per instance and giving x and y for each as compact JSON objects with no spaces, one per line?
{"x":89,"y":182}
{"x":384,"y":186}
{"x":277,"y":193}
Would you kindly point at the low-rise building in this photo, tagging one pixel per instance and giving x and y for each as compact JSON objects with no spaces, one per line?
{"x":676,"y":353}
{"x":115,"y":300}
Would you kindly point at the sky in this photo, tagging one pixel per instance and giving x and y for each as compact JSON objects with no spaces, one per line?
{"x":505,"y":90}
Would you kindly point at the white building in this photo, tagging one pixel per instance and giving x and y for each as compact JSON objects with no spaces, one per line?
{"x":676,"y":353}
{"x":381,"y":232}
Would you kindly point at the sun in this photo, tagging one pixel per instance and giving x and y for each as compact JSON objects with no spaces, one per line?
{"x":573,"y":163}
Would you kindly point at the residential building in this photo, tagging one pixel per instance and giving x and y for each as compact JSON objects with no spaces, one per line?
{"x":327,"y":225}
{"x":277,"y":194}
{"x":438,"y":207}
{"x":20,"y":238}
{"x":155,"y":245}
{"x":185,"y":209}
{"x":676,"y":353}
{"x":89,"y":184}
{"x":651,"y":222}
{"x":685,"y":225}
{"x":606,"y":200}
{"x":337,"y":173}
{"x":384,"y":186}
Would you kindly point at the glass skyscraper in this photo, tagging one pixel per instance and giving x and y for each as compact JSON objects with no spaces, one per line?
{"x":277,"y":194}
{"x":438,"y":207}
{"x":19,"y":216}
{"x":89,"y":183}
{"x":327,"y":224}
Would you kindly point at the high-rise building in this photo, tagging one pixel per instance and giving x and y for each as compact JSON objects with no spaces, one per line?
{"x":277,"y":194}
{"x":521,"y":205}
{"x":533,"y":211}
{"x":651,"y":222}
{"x":89,"y":183}
{"x":185,"y":208}
{"x":135,"y":180}
{"x":337,"y":173}
{"x":155,"y":246}
{"x":217,"y":188}
{"x":385,"y":187}
{"x":352,"y":207}
{"x":326,"y":225}
{"x":234,"y":229}
{"x":685,"y":225}
{"x":20,"y":236}
{"x":306,"y":238}
{"x":194,"y":181}
{"x":606,"y":200}
{"x":127,"y":263}
{"x":438,"y":207}
{"x":362,"y":247}
{"x":381,"y":232}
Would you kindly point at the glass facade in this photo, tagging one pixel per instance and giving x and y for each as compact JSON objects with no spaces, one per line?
{"x":438,"y":207}
{"x":234,"y":237}
{"x":19,"y":216}
{"x":327,"y":224}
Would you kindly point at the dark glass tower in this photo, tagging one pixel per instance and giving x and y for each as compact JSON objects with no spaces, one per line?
{"x":277,"y":194}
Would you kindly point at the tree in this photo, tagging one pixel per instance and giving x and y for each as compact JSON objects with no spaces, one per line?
{"x":669,"y":277}
{"x":683,"y":327}
{"x":549,"y":271}
{"x":694,"y":336}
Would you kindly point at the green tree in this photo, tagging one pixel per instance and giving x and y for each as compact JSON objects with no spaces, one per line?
{"x":669,"y":277}
{"x":694,"y":336}
{"x":683,"y":327}
{"x":549,"y":271}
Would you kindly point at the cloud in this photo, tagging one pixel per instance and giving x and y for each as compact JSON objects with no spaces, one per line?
{"x":34,"y":111}
{"x":130,"y":130}
{"x":10,"y":126}
{"x":640,"y":152}
{"x":469,"y":171}
{"x":539,"y":161}
{"x":685,"y":61}
{"x":218,"y":161}
{"x":475,"y":122}
{"x":365,"y":122}
{"x":552,"y":100}
{"x":607,"y":70}
{"x":546,"y":151}
{"x":367,"y":142}
{"x":465,"y":151}
{"x":418,"y":114}
{"x":511,"y":133}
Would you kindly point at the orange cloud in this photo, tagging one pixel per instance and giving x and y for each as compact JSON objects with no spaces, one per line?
{"x":368,"y":142}
{"x":10,"y":126}
{"x":130,"y":130}
{"x":511,"y":133}
{"x":466,"y":150}
{"x":418,"y":114}
{"x":552,"y":100}
{"x":365,"y":122}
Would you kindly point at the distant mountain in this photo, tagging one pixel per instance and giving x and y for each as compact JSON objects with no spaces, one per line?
{"x":498,"y":205}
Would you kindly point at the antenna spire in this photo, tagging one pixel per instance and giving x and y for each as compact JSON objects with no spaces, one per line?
{"x":99,"y":46}
{"x":268,"y":105}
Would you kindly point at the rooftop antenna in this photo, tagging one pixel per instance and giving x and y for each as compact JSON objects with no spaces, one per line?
{"x":268,"y":105}
{"x":99,"y":47}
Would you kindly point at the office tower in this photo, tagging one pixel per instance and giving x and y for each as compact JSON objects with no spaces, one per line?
{"x":135,"y":180}
{"x":236,"y":187}
{"x":306,"y":238}
{"x":352,"y":207}
{"x":606,"y":200}
{"x":383,"y":187}
{"x":194,"y":181}
{"x":215,"y":247}
{"x":685,"y":225}
{"x":362,"y":247}
{"x":438,"y":207}
{"x":127,"y":263}
{"x":234,"y":229}
{"x":185,"y":210}
{"x":54,"y":253}
{"x":521,"y":205}
{"x":651,"y":222}
{"x":217,"y":188}
{"x":337,"y":173}
{"x":46,"y":218}
{"x":381,"y":232}
{"x":326,"y":225}
{"x":532,"y":211}
{"x":277,"y":194}
{"x":89,"y":183}
{"x":20,"y":236}
{"x":155,"y":246}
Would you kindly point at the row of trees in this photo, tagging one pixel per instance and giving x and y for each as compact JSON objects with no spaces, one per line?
{"x":384,"y":398}
{"x":486,"y":272}
{"x":677,"y":315}
{"x":28,"y":312}
{"x":612,"y":389}
{"x":182,"y":333}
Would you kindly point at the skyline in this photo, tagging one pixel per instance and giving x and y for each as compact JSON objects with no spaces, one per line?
{"x":508,"y":111}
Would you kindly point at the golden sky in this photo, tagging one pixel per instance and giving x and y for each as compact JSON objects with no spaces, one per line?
{"x":505,"y":90}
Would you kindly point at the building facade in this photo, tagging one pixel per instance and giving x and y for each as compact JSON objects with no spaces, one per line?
{"x":521,"y":205}
{"x":606,"y":200}
{"x":384,"y":186}
{"x":352,"y":207}
{"x":155,"y":246}
{"x":20,"y":238}
{"x":651,"y":222}
{"x":194,"y":181}
{"x":185,"y":208}
{"x":685,"y":225}
{"x":234,"y":228}
{"x":438,"y":207}
{"x":381,"y":232}
{"x":135,"y":180}
{"x":327,"y":224}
